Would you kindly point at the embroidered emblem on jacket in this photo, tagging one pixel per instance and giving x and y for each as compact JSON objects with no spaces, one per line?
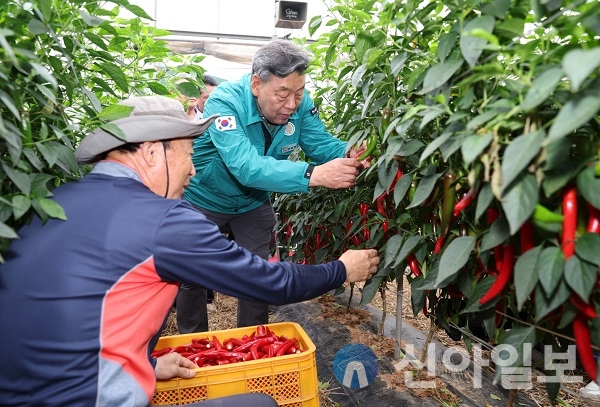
{"x":314,"y":110}
{"x":289,"y":129}
{"x":225,"y":123}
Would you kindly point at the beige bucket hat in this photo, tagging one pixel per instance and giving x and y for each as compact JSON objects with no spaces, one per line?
{"x":152,"y":118}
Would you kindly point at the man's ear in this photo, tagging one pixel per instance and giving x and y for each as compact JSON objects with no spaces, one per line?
{"x":255,"y":84}
{"x":152,"y":152}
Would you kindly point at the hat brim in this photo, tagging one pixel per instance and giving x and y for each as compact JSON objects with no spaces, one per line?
{"x":138,"y":129}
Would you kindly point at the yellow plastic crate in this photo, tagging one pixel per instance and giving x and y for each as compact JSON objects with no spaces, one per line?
{"x":291,"y":379}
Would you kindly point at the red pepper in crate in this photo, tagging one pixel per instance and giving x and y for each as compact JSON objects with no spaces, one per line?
{"x":161,"y":352}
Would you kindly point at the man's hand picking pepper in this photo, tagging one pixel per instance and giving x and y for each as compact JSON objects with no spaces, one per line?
{"x":360,"y":264}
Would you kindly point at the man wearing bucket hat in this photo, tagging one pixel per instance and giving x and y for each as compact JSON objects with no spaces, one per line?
{"x":88,"y":295}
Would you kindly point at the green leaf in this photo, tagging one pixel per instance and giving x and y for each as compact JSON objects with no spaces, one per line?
{"x":19,"y":178}
{"x":49,"y":154}
{"x":518,"y":154}
{"x":92,"y":21}
{"x":417,"y":295}
{"x":402,"y":186}
{"x":366,"y":41}
{"x":137,"y":10}
{"x":473,"y":145}
{"x":588,"y":186}
{"x":7,"y":232}
{"x":580,"y":276}
{"x":497,"y":8}
{"x":370,"y":290}
{"x":117,"y":75}
{"x":574,"y":114}
{"x":391,"y":249}
{"x":424,"y":189}
{"x":93,"y":99}
{"x":587,"y":247}
{"x":472,"y":47}
{"x":407,"y":248}
{"x":550,"y":269}
{"x":398,"y":63}
{"x":52,"y":208}
{"x":484,"y":200}
{"x":9,"y":103}
{"x":546,"y":304}
{"x":446,"y":43}
{"x":115,"y":112}
{"x":21,"y":205}
{"x":454,"y":257}
{"x":480,"y":290}
{"x":517,"y":339}
{"x":525,"y":275}
{"x":578,"y":64}
{"x":36,"y":27}
{"x":114,"y":130}
{"x":542,"y":87}
{"x":498,"y":234}
{"x":435,"y":144}
{"x":519,"y":201}
{"x":158,"y":88}
{"x":96,"y":40}
{"x":439,"y":74}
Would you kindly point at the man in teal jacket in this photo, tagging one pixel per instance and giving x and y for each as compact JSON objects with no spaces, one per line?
{"x":263,"y":118}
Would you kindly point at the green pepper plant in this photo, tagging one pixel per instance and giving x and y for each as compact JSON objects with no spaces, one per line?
{"x":488,"y":110}
{"x":63,"y":62}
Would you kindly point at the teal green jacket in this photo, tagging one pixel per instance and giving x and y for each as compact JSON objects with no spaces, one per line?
{"x":233,"y":173}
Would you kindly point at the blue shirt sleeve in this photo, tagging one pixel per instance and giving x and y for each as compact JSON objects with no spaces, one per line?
{"x":191,"y":248}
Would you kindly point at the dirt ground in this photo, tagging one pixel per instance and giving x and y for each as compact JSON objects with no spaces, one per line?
{"x":224,"y":317}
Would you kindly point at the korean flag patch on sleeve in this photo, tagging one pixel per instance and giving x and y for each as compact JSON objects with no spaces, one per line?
{"x":224,"y":123}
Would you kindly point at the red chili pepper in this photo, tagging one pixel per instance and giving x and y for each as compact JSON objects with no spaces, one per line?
{"x":380,"y":202}
{"x":318,"y":244}
{"x":581,"y":332}
{"x":286,"y":346}
{"x":492,"y":215}
{"x":161,"y":352}
{"x":413,"y":264}
{"x":503,"y":276}
{"x":594,"y":221}
{"x":382,"y":197}
{"x":526,"y":235}
{"x":439,"y":244}
{"x":448,"y":201}
{"x":569,"y":227}
{"x":364,"y":210}
{"x":385,"y":225}
{"x":261,"y":331}
{"x":464,"y":202}
{"x":585,"y":308}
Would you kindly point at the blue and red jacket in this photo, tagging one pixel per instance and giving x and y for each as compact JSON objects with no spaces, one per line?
{"x":82,"y":301}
